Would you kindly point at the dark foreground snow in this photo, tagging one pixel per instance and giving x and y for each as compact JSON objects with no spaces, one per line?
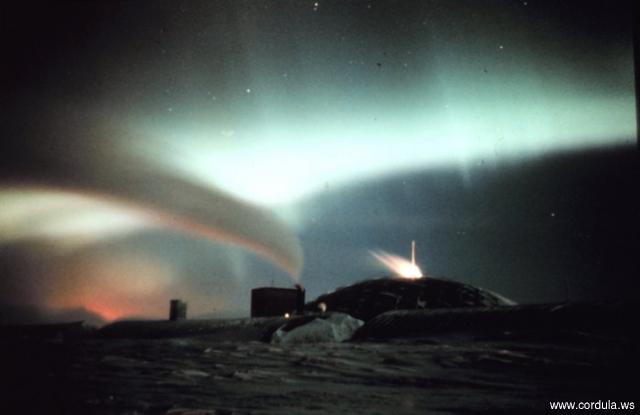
{"x":507,"y":373}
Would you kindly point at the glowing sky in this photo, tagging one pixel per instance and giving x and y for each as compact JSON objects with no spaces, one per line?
{"x":310,"y":97}
{"x":166,"y":108}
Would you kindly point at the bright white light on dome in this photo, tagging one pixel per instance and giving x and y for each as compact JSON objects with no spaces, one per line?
{"x":401,"y":267}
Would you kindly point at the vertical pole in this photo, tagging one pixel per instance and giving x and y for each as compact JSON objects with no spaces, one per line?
{"x":413,"y":252}
{"x":636,"y":65}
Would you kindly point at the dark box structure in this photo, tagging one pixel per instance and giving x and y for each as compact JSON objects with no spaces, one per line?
{"x":271,"y":301}
{"x":178,"y":310}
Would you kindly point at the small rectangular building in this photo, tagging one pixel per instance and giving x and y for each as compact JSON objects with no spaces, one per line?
{"x":177,"y":310}
{"x":271,"y":301}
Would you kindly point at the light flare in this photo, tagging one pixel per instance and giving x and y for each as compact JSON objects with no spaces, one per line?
{"x":400,"y":266}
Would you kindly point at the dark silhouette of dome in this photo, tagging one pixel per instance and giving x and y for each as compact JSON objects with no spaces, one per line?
{"x":366,"y":299}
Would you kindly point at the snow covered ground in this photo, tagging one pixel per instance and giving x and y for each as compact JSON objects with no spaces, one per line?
{"x":508,"y":373}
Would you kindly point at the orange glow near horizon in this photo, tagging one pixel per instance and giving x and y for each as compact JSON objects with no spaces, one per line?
{"x":110,"y":309}
{"x":107,"y":311}
{"x":130,"y":285}
{"x":114,"y":286}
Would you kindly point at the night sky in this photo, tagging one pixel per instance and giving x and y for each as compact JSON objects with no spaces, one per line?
{"x":195,"y":150}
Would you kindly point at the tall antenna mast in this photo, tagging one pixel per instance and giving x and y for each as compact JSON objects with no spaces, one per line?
{"x":413,"y":252}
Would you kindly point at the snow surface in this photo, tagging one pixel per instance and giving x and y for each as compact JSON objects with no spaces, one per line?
{"x":338,"y":327}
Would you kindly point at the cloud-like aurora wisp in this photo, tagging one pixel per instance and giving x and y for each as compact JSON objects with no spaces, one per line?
{"x":79,"y":157}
